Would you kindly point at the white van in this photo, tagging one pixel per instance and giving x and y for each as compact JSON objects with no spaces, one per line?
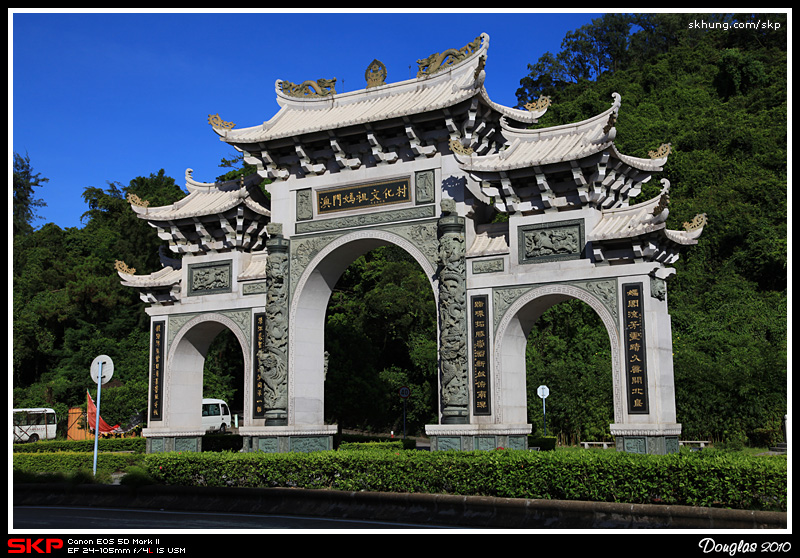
{"x":216,"y":415}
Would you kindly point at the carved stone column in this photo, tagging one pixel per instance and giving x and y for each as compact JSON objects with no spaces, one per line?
{"x":453,"y":317}
{"x":273,"y":358}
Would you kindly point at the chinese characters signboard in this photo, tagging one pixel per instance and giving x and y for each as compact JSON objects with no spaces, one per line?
{"x":480,"y":356}
{"x":366,"y":195}
{"x":157,"y":371}
{"x":633,"y":312}
{"x":259,"y":411}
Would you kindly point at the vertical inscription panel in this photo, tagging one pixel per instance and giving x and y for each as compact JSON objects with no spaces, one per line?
{"x":157,"y":370}
{"x":259,"y":335}
{"x":635,"y":358}
{"x":480,"y":355}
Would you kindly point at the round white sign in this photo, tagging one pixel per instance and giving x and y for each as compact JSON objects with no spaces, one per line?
{"x":543,"y":391}
{"x":108,"y":368}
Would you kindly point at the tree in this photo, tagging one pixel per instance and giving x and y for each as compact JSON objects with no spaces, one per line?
{"x":24,"y":202}
{"x":69,"y":305}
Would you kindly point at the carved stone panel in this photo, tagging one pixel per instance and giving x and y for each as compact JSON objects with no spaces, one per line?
{"x":210,"y":278}
{"x":563,"y":240}
{"x":488,"y":266}
{"x":424,"y":181}
{"x":305,"y":205}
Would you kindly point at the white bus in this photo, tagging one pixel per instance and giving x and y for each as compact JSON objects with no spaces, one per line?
{"x":32,"y":425}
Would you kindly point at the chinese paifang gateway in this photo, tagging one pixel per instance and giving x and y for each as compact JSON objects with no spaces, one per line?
{"x":425,"y":164}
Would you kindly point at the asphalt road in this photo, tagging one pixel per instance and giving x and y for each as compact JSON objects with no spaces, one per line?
{"x":56,"y":519}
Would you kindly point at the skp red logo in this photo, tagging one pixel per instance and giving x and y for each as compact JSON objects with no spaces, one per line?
{"x":30,"y":546}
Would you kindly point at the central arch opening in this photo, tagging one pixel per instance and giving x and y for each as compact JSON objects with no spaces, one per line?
{"x":369,"y":279}
{"x":380,"y":336}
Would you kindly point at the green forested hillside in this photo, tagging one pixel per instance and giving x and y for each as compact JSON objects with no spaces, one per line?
{"x":717,"y":96}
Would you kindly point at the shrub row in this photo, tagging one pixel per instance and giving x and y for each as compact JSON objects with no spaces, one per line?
{"x":70,"y":461}
{"x":136,"y":445}
{"x":710,"y":479}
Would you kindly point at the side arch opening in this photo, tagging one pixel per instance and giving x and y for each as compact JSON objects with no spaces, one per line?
{"x":511,"y":345}
{"x":185,"y":369}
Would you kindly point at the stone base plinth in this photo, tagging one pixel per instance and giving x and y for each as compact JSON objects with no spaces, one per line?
{"x":284,"y":439}
{"x":470,"y":437}
{"x":658,"y":439}
{"x":161,"y":442}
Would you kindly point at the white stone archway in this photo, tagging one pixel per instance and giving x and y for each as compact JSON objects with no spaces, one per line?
{"x":504,"y":217}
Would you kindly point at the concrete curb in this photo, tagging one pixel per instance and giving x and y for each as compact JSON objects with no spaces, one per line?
{"x":432,"y":509}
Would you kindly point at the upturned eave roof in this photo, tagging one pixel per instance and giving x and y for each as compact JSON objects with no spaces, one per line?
{"x":643,"y":219}
{"x":443,"y":89}
{"x":527,"y":148}
{"x":205,"y":199}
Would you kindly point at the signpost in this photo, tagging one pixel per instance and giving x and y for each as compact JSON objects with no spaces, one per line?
{"x":101,"y":371}
{"x":404,"y":392}
{"x":543,"y":392}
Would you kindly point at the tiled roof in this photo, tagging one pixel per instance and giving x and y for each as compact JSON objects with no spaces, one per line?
{"x":490,"y":240}
{"x":537,"y":147}
{"x":298,"y":116}
{"x":641,"y":219}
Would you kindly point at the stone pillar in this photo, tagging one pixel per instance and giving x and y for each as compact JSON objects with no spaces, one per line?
{"x":453,"y":317}
{"x":649,"y":424}
{"x":273,"y":358}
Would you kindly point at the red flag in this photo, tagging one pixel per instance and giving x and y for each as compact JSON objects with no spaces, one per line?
{"x":91,"y":411}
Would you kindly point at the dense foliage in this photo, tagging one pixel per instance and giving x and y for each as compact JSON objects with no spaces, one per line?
{"x":718,"y":96}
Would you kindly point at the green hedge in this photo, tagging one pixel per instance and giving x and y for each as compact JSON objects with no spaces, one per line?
{"x":394,"y":445}
{"x":136,"y":445}
{"x":70,"y":461}
{"x":711,"y":479}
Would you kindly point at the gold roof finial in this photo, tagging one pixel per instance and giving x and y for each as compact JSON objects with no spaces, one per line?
{"x":375,"y":74}
{"x":539,"y":104}
{"x":122,"y":267}
{"x":218,"y":122}
{"x":133,"y":199}
{"x":698,"y":222}
{"x":662,"y":151}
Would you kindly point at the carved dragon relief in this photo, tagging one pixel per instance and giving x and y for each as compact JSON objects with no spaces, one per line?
{"x":273,"y":357}
{"x":309,"y":88}
{"x":442,"y":60}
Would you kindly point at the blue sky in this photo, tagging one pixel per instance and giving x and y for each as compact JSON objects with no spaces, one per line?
{"x":99,"y":97}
